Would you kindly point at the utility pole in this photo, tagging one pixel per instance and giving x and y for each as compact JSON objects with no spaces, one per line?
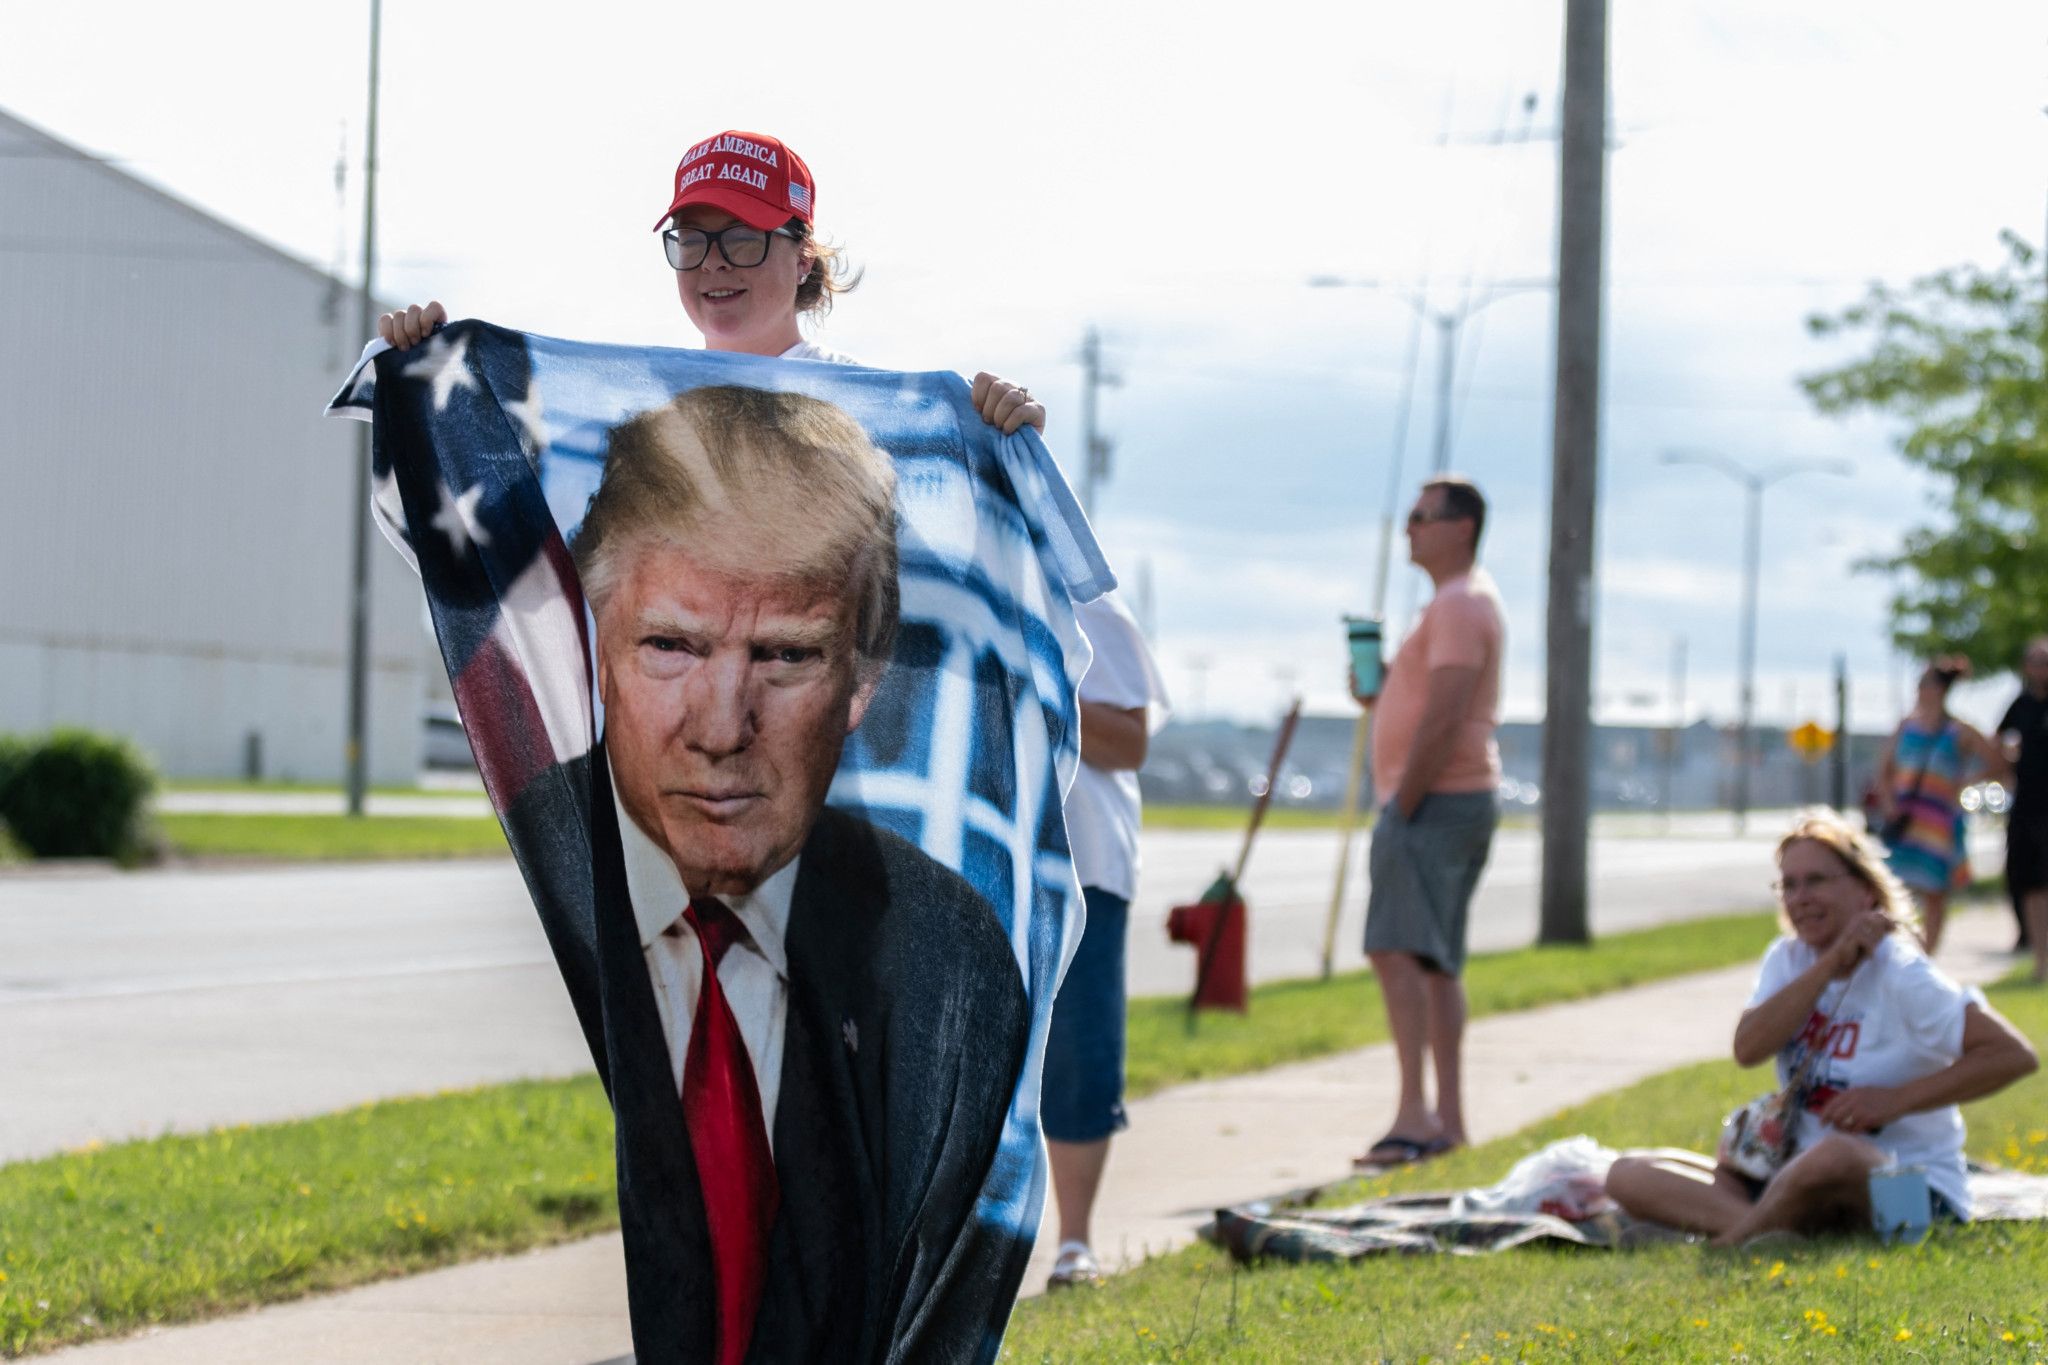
{"x":1676,"y":738}
{"x":1198,"y":666}
{"x":1575,"y":475}
{"x":1148,"y":625}
{"x":359,"y":577}
{"x":1447,"y":359}
{"x":1095,"y":447}
{"x":1838,"y":757}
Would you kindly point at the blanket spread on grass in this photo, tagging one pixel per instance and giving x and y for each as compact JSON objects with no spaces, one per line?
{"x":1438,"y":1223}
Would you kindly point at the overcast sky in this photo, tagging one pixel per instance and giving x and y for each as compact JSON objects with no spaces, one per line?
{"x":1009,"y":175}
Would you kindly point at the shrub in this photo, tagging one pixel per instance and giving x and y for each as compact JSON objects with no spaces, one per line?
{"x":75,"y":794}
{"x":13,"y":753}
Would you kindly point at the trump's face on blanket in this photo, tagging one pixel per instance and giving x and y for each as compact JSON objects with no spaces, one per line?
{"x":727,"y":700}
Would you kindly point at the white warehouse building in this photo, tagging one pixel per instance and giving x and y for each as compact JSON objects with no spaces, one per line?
{"x":175,"y":518}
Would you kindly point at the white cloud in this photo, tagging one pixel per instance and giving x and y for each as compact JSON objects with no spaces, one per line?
{"x":1007,"y":180}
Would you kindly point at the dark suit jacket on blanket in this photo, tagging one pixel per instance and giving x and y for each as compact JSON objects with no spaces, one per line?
{"x":907,"y":1026}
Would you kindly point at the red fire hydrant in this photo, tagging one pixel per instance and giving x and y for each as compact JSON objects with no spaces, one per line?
{"x":1215,"y":926}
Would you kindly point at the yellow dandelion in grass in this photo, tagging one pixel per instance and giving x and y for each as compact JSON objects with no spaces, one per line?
{"x":1699,"y":1322}
{"x":2037,"y":1136}
{"x":1841,"y":1272}
{"x":3,"y":1280}
{"x":1777,"y":1269}
{"x":2002,"y":1336}
{"x":1503,"y":1336}
{"x":1903,"y":1334}
{"x":1874,"y":1263}
{"x":1546,"y":1327}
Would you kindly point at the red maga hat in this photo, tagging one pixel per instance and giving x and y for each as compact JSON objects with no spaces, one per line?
{"x":751,"y":176}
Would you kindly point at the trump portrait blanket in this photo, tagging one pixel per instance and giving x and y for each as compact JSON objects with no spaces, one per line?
{"x":769,"y":667}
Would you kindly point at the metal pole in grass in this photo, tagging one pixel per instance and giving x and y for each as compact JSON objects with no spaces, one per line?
{"x":359,"y":575}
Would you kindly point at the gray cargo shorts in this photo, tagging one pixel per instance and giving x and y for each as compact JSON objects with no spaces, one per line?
{"x":1424,"y":870}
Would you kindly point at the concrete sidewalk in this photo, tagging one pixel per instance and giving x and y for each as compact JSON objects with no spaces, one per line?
{"x":1188,"y":1151}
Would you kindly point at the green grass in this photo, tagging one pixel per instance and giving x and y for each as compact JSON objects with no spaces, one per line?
{"x":185,"y":1227}
{"x":317,"y":837}
{"x":111,"y":1239}
{"x":243,"y":787}
{"x":321,"y":838}
{"x":1294,"y":1020}
{"x":1958,"y":1296}
{"x":1607,"y":823}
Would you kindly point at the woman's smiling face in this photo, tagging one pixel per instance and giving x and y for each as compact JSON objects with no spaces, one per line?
{"x":1820,"y":895}
{"x":742,"y":308}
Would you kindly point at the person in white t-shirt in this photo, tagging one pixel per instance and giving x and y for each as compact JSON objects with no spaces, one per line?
{"x":1900,"y":1046}
{"x":749,"y":265}
{"x":1123,"y":704}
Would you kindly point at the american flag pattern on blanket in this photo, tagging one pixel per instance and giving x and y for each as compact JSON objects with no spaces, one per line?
{"x":967,"y":751}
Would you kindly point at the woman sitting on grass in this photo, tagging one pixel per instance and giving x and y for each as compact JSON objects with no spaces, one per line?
{"x":1901,"y":1043}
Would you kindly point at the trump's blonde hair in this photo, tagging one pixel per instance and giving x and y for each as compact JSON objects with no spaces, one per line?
{"x":754,"y":484}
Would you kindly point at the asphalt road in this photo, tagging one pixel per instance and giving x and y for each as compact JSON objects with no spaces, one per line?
{"x":137,"y":1003}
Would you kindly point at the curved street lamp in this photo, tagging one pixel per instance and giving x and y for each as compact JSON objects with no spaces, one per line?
{"x":1754,"y":482}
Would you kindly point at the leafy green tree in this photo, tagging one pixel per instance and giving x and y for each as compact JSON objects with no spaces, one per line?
{"x":1962,"y":358}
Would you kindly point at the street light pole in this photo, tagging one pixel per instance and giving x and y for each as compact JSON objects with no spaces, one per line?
{"x":1753,"y":484}
{"x":359,"y":577}
{"x":1752,"y":570}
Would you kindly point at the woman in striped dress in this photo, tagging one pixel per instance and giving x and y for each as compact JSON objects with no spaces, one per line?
{"x":1931,"y":758}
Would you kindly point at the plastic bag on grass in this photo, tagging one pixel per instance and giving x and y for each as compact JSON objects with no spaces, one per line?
{"x":1567,"y":1179}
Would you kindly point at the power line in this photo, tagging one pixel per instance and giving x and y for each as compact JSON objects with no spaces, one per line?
{"x":1095,"y":447}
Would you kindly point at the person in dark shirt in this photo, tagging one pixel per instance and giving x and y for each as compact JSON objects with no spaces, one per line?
{"x":2024,"y":732}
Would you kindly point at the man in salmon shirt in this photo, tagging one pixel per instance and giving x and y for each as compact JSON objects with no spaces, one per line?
{"x":1435,"y":763}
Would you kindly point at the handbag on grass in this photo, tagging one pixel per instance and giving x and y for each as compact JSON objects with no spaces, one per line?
{"x":1759,"y":1137}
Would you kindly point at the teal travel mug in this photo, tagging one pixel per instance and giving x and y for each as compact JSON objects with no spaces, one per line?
{"x":1364,"y":634}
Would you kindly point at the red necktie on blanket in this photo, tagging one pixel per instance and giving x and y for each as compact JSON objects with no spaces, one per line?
{"x":722,"y":1109}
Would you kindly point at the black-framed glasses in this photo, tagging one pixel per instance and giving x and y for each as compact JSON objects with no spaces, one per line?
{"x":741,"y":245}
{"x":1418,"y":517}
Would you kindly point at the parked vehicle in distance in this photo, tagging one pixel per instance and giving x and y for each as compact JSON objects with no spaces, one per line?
{"x":446,"y":744}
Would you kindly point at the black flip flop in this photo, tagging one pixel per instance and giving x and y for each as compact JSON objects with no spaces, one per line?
{"x":1406,"y":1152}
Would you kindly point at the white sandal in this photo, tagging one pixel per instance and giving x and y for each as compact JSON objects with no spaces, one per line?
{"x":1075,"y":1266}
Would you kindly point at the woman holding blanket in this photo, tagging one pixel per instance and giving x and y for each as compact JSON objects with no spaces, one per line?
{"x":748,"y":265}
{"x":1897,"y":1046}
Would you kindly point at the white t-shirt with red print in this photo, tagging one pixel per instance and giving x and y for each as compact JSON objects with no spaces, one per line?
{"x":1896,"y":1019}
